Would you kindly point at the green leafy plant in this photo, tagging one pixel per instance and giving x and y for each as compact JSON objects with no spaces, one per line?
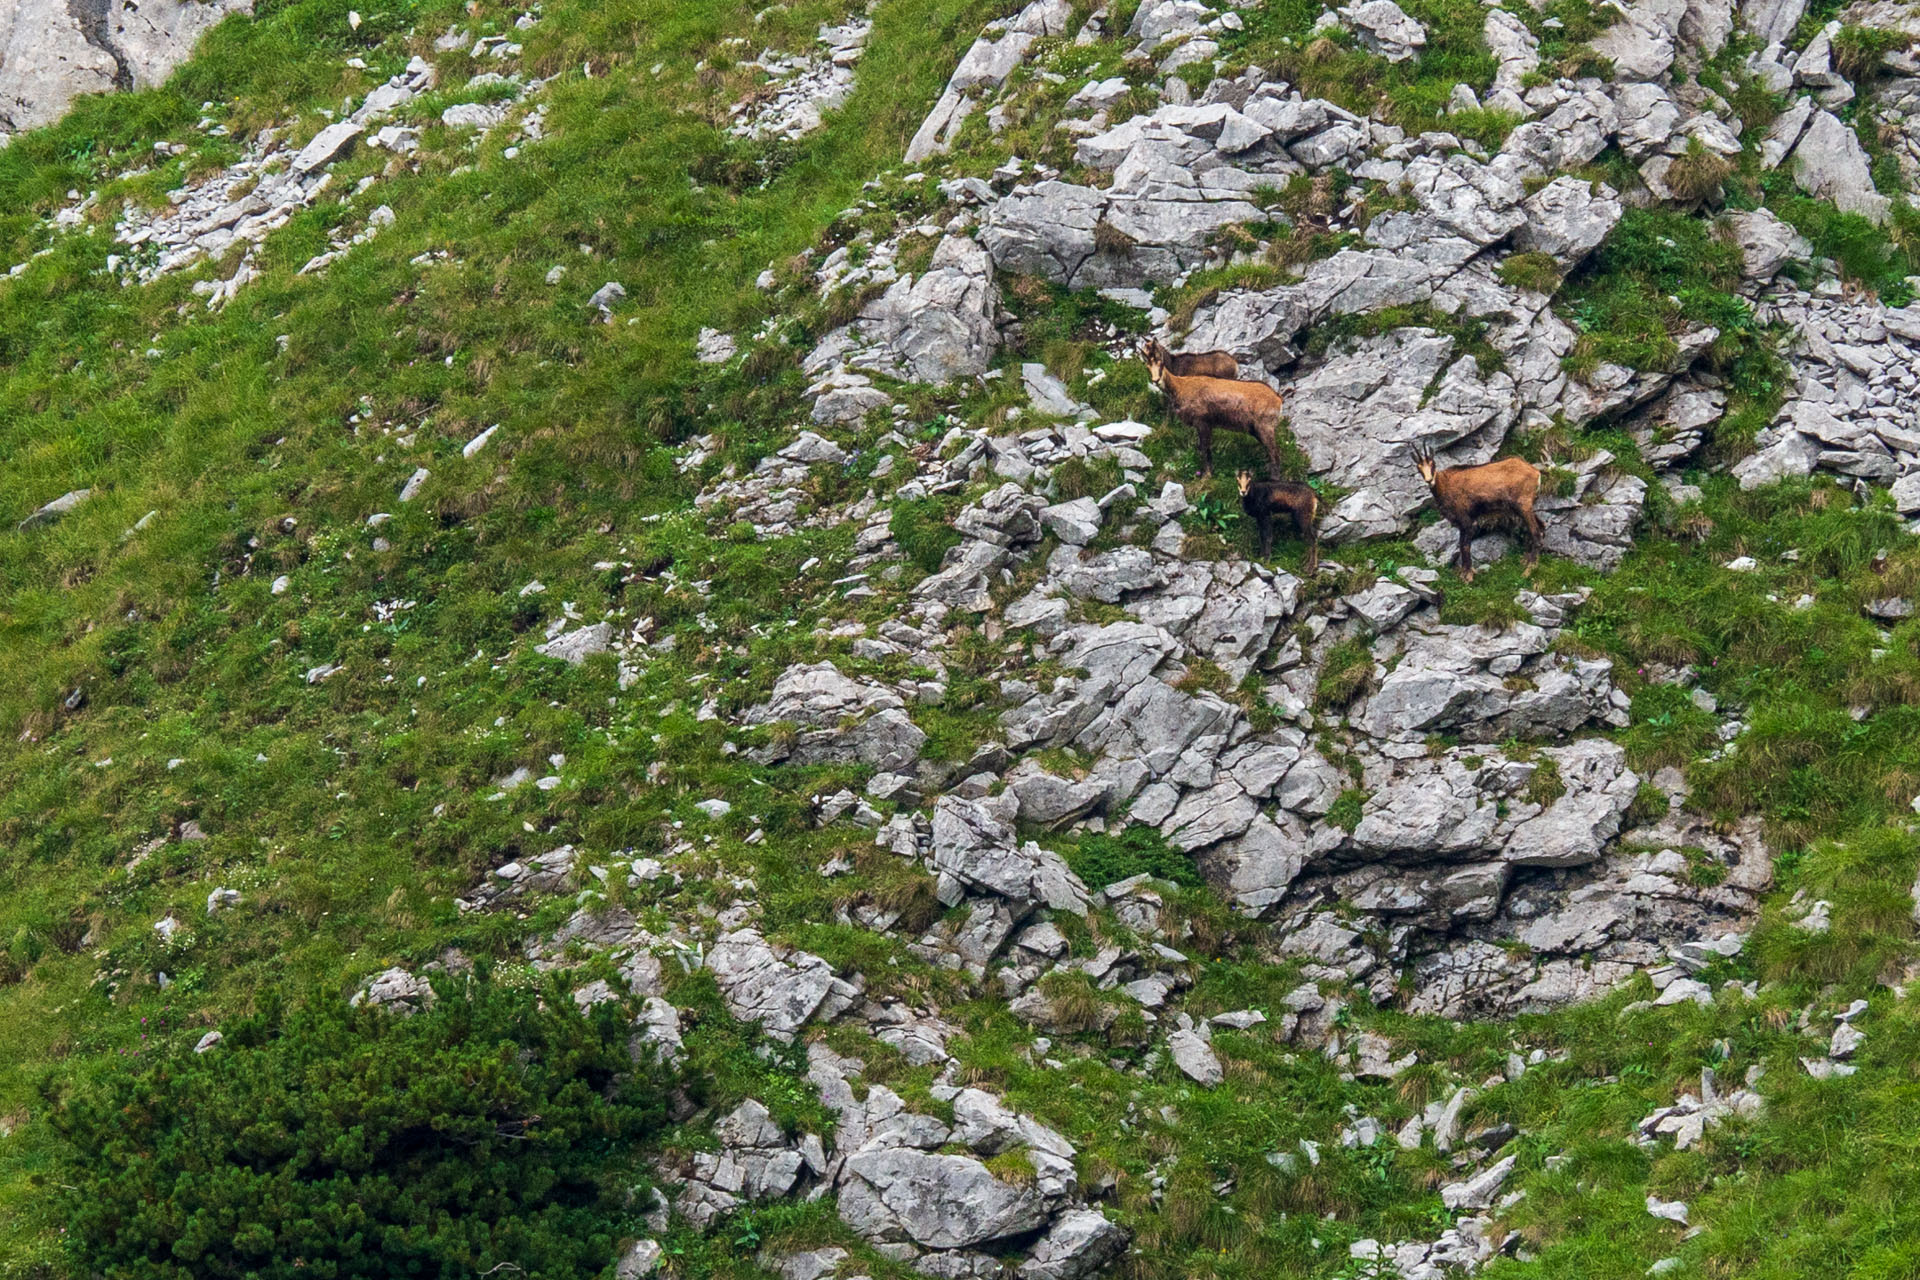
{"x":1215,"y":514}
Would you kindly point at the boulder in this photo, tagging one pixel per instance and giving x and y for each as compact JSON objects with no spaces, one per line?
{"x":1830,"y":163}
{"x":1080,"y":1244}
{"x":1568,"y":219}
{"x":52,"y":51}
{"x":940,"y":1202}
{"x":782,"y":988}
{"x":1766,"y":243}
{"x":1195,"y":1058}
{"x":1383,"y":27}
{"x":1772,"y":21}
{"x":54,"y":510}
{"x":938,"y":328}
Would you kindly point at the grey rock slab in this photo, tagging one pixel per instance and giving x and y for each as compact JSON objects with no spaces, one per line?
{"x":1195,"y":1058}
{"x":936,"y":1201}
{"x":1383,"y":27}
{"x":1765,"y":242}
{"x":1568,"y":219}
{"x":1576,"y":828}
{"x":54,"y":510}
{"x":1081,"y":1243}
{"x":975,"y":846}
{"x":52,"y":51}
{"x":817,"y":694}
{"x":1076,"y":522}
{"x":1514,"y":46}
{"x":1207,"y":817}
{"x":327,"y":145}
{"x":1479,"y":1191}
{"x":939,"y":327}
{"x":1830,"y":163}
{"x":782,"y":988}
{"x":1256,"y":868}
{"x":577,"y":646}
{"x":1772,"y":21}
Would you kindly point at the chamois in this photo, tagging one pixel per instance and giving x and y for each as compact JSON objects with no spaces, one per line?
{"x":1262,"y":499}
{"x":1203,"y":405}
{"x":1472,"y":498}
{"x":1193,"y":364}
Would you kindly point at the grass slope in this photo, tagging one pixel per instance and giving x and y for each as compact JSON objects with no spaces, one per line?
{"x":349,"y":812}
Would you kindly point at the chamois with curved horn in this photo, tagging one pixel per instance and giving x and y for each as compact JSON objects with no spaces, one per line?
{"x":1473,"y":499}
{"x":1192,"y":364}
{"x":1206,"y":405}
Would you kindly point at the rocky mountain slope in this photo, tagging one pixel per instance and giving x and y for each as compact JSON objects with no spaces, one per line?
{"x":663,"y":499}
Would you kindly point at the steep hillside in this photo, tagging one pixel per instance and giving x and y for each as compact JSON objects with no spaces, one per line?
{"x":612,"y":665}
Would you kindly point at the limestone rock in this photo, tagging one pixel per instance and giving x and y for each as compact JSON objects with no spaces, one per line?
{"x":939,"y":327}
{"x":1081,"y":1243}
{"x":52,"y":51}
{"x":1383,"y":27}
{"x":1766,"y":243}
{"x":782,"y":988}
{"x":1830,"y":163}
{"x":52,"y":511}
{"x":1195,"y":1058}
{"x":939,"y":1202}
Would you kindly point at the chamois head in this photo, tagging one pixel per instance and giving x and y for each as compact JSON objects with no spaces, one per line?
{"x":1155,"y":357}
{"x":1245,"y":478}
{"x":1423,"y":463}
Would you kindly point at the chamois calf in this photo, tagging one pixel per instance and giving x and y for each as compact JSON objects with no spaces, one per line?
{"x":1474,"y":498}
{"x":1193,"y":364}
{"x":1263,"y":499}
{"x":1204,"y":405}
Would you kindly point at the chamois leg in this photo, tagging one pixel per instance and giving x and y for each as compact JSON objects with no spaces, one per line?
{"x":1465,"y":562}
{"x":1310,"y":532}
{"x":1272,"y":440}
{"x":1536,"y":535}
{"x":1204,"y":439}
{"x":1264,"y":519}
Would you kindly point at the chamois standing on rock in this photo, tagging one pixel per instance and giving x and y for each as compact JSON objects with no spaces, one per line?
{"x":1474,"y":498}
{"x":1204,"y":405}
{"x":1192,"y":364}
{"x":1263,"y":499}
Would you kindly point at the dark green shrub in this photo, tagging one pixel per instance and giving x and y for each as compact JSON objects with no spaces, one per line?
{"x":494,"y":1133}
{"x":1100,"y":860}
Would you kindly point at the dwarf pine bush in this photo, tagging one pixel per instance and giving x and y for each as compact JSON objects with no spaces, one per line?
{"x":492,"y":1133}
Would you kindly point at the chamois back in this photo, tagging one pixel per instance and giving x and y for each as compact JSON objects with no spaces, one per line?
{"x":1193,"y":364}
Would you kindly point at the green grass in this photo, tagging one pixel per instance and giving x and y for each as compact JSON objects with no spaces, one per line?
{"x":350,"y":813}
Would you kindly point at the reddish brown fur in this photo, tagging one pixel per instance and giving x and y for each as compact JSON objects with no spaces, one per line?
{"x":1206,"y":405}
{"x":1193,"y":364}
{"x":1475,"y":498}
{"x":1262,"y":499}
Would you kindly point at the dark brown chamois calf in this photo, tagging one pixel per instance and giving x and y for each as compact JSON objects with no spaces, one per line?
{"x":1475,"y":498}
{"x":1263,"y":499}
{"x":1192,"y":364}
{"x":1206,"y":405}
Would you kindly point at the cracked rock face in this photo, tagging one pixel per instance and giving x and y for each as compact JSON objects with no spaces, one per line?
{"x":52,"y":51}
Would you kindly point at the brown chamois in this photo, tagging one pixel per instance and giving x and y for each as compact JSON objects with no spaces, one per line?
{"x":1192,"y":364}
{"x":1204,"y":405}
{"x":1262,"y":499}
{"x":1473,"y":498}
